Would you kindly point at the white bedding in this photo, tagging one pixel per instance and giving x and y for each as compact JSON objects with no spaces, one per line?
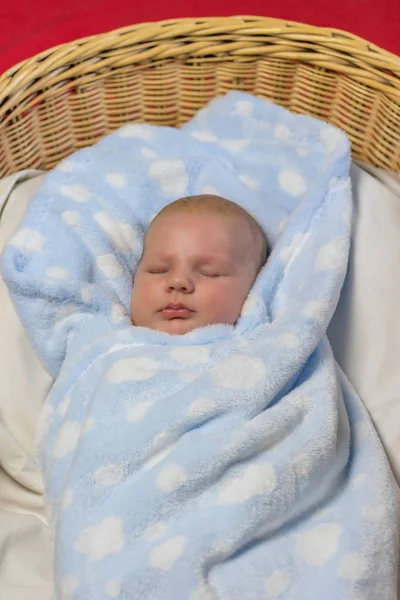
{"x":25,"y":539}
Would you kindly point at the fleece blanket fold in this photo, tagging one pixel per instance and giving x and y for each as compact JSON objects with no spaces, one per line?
{"x":233,"y":462}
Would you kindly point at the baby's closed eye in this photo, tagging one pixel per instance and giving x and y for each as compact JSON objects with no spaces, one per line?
{"x":156,"y":270}
{"x":212,"y":272}
{"x":210,"y":275}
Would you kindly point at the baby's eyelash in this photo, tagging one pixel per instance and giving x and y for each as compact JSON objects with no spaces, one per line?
{"x":156,"y":271}
{"x":210,"y":275}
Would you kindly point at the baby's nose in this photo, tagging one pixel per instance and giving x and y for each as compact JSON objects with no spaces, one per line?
{"x":180,"y":282}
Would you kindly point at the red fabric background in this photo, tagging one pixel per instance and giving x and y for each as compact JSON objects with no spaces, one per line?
{"x":27,"y":27}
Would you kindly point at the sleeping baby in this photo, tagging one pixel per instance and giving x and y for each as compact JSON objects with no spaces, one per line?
{"x":200,"y":257}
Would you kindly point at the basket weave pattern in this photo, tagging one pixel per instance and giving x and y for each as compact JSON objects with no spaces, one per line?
{"x":162,"y":73}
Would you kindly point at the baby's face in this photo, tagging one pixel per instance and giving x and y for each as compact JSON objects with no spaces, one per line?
{"x":196,"y":270}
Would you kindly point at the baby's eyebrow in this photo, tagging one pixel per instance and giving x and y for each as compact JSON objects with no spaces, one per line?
{"x":215,"y":260}
{"x":199,"y":260}
{"x":149,"y":255}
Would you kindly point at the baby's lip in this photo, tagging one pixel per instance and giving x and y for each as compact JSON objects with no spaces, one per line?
{"x":176,"y":311}
{"x":177,"y":306}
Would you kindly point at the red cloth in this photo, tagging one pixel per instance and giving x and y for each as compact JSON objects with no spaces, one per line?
{"x":27,"y":27}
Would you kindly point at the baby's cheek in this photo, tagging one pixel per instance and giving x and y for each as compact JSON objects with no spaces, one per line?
{"x":224,"y":302}
{"x":141,"y":299}
{"x":146,"y":291}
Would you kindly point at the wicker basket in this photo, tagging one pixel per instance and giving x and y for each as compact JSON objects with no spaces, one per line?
{"x":162,"y":73}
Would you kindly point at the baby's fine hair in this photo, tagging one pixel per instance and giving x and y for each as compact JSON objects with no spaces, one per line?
{"x":210,"y":203}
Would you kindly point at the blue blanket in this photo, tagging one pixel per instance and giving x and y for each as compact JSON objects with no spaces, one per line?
{"x":231,"y":462}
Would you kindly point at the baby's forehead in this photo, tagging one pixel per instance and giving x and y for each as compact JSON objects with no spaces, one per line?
{"x":198,"y":219}
{"x":201,"y":228}
{"x":205,"y":245}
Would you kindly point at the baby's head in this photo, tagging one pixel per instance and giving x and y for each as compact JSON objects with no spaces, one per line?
{"x":200,"y":257}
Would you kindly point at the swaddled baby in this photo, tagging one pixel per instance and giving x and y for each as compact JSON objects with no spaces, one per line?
{"x":200,"y":257}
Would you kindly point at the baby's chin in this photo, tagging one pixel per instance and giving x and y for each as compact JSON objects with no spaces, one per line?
{"x":176,"y":326}
{"x":181,"y":326}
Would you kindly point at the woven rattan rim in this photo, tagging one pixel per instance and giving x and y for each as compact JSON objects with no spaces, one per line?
{"x":230,"y":40}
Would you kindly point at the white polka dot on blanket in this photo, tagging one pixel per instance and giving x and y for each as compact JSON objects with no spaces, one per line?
{"x":234,"y":145}
{"x":154,"y":531}
{"x":138,"y":131}
{"x":171,"y":176}
{"x":66,"y":499}
{"x":243,"y":107}
{"x":188,"y":376}
{"x":164,"y":556}
{"x":249,"y":182}
{"x":109,"y":474}
{"x":292,"y":182}
{"x":43,"y":423}
{"x":287,"y":340}
{"x":116,"y":180}
{"x":122,"y":235}
{"x":148,"y":153}
{"x":317,"y":545}
{"x":353,"y":566}
{"x":316,"y":310}
{"x":281,"y":132}
{"x":171,"y":477}
{"x":348,"y":215}
{"x":28,"y":241}
{"x":277,"y":583}
{"x":302,"y":151}
{"x":282,"y":303}
{"x":332,"y":255}
{"x":375,"y":513}
{"x":66,"y":310}
{"x":57,"y":273}
{"x":105,"y":539}
{"x":88,"y":425}
{"x":333,"y":182}
{"x":108,"y":264}
{"x":117,"y":313}
{"x":240,"y":372}
{"x":67,"y":438}
{"x":303,"y":464}
{"x":132,"y":369}
{"x":70,"y":217}
{"x":139,"y":411}
{"x":75,"y":192}
{"x":67,"y":166}
{"x":190,"y":355}
{"x":254,"y":480}
{"x":359,"y":480}
{"x":68,"y":586}
{"x":330,"y":138}
{"x":200,"y":406}
{"x":203,"y":135}
{"x":210,"y":189}
{"x":250,"y":305}
{"x":203,"y":592}
{"x":113,"y":588}
{"x":63,"y":406}
{"x":86,"y":295}
{"x":286,"y":253}
{"x":300,"y":400}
